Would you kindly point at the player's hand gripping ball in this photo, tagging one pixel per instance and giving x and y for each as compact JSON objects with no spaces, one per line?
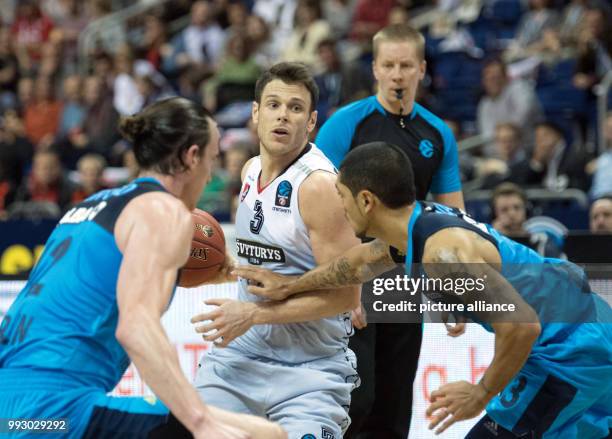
{"x":207,"y":253}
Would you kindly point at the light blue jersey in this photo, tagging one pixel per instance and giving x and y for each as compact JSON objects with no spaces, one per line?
{"x":565,"y":387}
{"x":58,"y":337}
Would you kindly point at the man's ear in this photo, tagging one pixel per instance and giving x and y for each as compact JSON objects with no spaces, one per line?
{"x":422,"y":70}
{"x":192,"y":156}
{"x":254,"y":112}
{"x":312,"y":122}
{"x":366,"y":201}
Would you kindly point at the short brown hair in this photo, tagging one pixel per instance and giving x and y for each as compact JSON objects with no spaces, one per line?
{"x":508,"y":189}
{"x":399,"y":32}
{"x":289,"y":73}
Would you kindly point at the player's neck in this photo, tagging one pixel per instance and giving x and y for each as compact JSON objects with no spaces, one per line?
{"x":392,"y":226}
{"x":396,"y":107}
{"x":169,"y":182}
{"x":274,"y":165}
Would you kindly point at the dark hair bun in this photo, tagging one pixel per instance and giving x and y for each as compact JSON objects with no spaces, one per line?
{"x":132,"y":127}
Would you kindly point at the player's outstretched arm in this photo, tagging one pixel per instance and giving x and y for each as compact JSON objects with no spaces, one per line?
{"x":154,"y":233}
{"x":357,"y":265}
{"x":459,"y":253}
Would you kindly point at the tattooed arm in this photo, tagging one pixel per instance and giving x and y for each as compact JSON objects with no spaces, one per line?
{"x":357,"y":265}
{"x":459,"y":254}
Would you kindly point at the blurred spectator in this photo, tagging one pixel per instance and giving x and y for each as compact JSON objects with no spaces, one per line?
{"x":278,"y":15}
{"x":9,"y":72}
{"x":600,"y":215}
{"x":126,"y":97}
{"x":51,"y":63}
{"x":215,"y":198}
{"x":594,"y":48}
{"x":509,"y":209}
{"x":509,"y":206}
{"x":103,"y":68}
{"x":370,"y":16}
{"x":130,"y":163}
{"x":235,"y":78}
{"x":200,"y":45}
{"x":15,"y":155}
{"x":30,"y":30}
{"x":339,"y":82}
{"x":237,"y":16}
{"x":70,"y":20}
{"x":531,"y":28}
{"x":601,"y":168}
{"x":258,"y":33}
{"x":309,"y":30}
{"x":571,"y":19}
{"x":151,"y":86}
{"x":71,"y":147}
{"x":506,"y":101}
{"x":399,"y":15}
{"x":73,"y":112}
{"x":111,"y":35}
{"x":235,"y":159}
{"x":100,"y":125}
{"x":46,"y":181}
{"x":91,"y":169}
{"x":338,"y":14}
{"x":154,"y":42}
{"x":553,"y":164}
{"x":508,"y":155}
{"x":42,"y":116}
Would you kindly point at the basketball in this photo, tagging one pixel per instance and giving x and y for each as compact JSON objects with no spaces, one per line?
{"x":207,"y":251}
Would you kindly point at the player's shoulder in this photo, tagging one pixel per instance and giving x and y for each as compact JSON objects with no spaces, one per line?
{"x":314,"y":159}
{"x":319,"y":182}
{"x":157,"y":208}
{"x":247,"y":166}
{"x":432,"y":119}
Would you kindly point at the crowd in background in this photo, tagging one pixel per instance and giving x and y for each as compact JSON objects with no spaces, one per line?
{"x":59,"y":106}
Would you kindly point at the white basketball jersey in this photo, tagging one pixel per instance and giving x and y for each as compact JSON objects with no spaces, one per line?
{"x":270,"y":234}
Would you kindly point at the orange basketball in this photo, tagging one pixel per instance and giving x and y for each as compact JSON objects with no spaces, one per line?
{"x":207,"y":251}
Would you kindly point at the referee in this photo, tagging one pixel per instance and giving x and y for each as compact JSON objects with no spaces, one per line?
{"x":387,"y":354}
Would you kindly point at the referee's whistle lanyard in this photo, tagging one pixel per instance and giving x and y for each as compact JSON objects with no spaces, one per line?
{"x":399,"y":94}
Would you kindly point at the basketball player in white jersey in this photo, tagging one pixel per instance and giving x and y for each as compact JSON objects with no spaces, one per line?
{"x":285,"y":360}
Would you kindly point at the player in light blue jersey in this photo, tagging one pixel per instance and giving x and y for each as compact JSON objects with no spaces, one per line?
{"x":95,"y":298}
{"x":551,"y":375}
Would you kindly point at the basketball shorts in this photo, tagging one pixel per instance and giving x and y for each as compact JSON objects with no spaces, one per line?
{"x":564,"y":389}
{"x":309,"y":400}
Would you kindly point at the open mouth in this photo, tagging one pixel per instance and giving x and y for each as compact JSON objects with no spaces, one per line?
{"x":280,"y":132}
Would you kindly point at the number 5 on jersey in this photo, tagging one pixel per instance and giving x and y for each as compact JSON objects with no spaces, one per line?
{"x":258,"y":218}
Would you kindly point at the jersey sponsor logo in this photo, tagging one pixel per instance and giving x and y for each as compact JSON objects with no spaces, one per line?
{"x":80,"y":214}
{"x":257,"y":253}
{"x":426,"y":148}
{"x":309,"y":436}
{"x":245,"y":191}
{"x":281,"y":209}
{"x":326,"y":434}
{"x":283,"y":194}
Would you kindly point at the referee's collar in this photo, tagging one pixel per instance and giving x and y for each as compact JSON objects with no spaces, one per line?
{"x":380,"y":108}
